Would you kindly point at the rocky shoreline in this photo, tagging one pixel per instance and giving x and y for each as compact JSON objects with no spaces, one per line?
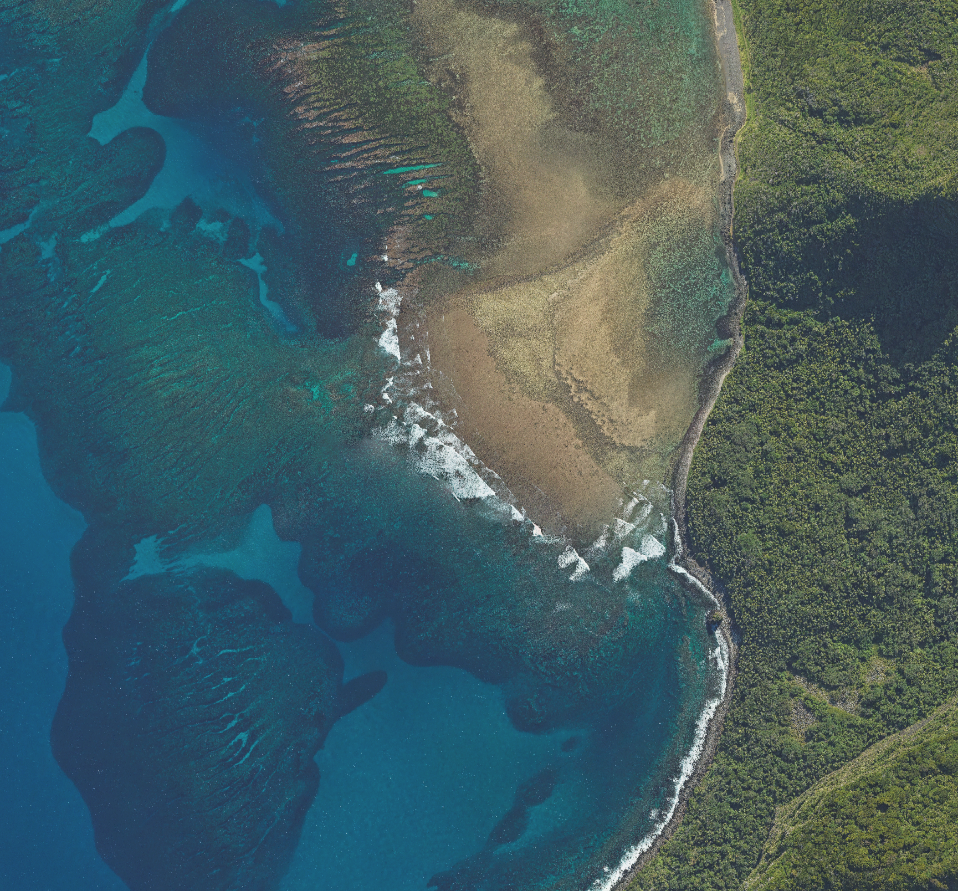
{"x":730,"y":327}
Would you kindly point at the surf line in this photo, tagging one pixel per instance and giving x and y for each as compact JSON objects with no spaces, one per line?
{"x":471,"y":472}
{"x":704,"y":739}
{"x":709,"y":725}
{"x":451,"y":462}
{"x":442,"y":455}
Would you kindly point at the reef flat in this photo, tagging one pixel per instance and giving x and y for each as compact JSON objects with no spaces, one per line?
{"x":573,"y":358}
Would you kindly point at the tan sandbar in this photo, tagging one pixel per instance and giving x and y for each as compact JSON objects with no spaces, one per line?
{"x":529,"y":442}
{"x":559,"y":385}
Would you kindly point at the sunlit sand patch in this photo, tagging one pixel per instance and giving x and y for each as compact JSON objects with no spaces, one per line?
{"x":558,"y":381}
{"x":548,"y":190}
{"x":530,"y":443}
{"x":612,"y":364}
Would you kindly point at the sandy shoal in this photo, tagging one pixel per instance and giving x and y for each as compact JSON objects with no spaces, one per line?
{"x":547,"y":357}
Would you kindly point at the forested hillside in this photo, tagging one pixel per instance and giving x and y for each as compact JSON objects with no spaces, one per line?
{"x":823,"y":495}
{"x":889,"y":819}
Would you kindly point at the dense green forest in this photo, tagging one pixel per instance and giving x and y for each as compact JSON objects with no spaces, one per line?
{"x":823,"y":496}
{"x":896,"y":805}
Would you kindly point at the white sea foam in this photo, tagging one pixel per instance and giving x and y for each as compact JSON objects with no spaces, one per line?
{"x":630,"y":559}
{"x":433,"y":447}
{"x":677,"y":552}
{"x":436,"y":451}
{"x":720,"y":657}
{"x":650,"y":548}
{"x":570,"y":557}
{"x":389,"y":340}
{"x":389,"y":302}
{"x":613,"y":533}
{"x":424,"y":432}
{"x":437,"y":455}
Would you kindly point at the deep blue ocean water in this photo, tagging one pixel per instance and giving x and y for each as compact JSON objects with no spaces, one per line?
{"x":435,"y":747}
{"x":415,"y":782}
{"x":46,"y":838}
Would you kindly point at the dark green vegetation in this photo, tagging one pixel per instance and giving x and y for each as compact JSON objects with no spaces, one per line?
{"x":824,"y":492}
{"x":896,"y":805}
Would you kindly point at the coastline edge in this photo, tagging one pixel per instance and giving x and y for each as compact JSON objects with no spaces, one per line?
{"x":729,"y":54}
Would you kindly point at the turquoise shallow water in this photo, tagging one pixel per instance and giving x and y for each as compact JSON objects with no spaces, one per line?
{"x":436,"y":747}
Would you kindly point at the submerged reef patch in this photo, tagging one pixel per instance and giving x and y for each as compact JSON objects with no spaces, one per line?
{"x":191,"y":715}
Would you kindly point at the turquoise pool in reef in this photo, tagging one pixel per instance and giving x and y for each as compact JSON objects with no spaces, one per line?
{"x":276,"y":618}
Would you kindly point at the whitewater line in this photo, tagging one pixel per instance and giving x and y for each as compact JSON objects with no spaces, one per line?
{"x":726,"y":41}
{"x":721,"y":657}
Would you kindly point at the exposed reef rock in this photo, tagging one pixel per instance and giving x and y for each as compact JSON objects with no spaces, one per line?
{"x":192,"y":712}
{"x":571,"y":356}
